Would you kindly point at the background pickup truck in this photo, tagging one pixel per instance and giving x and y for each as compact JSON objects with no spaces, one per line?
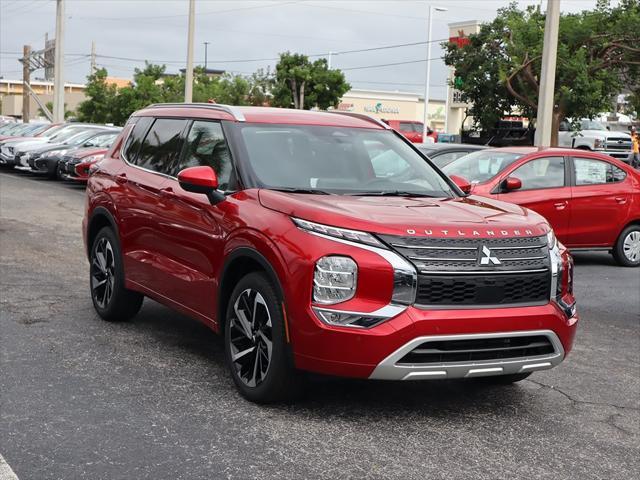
{"x":595,"y":137}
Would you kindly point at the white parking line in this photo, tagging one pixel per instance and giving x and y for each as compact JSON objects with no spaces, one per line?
{"x":5,"y":470}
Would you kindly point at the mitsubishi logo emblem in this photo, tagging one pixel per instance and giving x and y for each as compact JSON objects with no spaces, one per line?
{"x":487,"y":258}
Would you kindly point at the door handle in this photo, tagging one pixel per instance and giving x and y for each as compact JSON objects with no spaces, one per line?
{"x":121,"y":179}
{"x":560,"y":205}
{"x":167,"y":193}
{"x":621,"y":200}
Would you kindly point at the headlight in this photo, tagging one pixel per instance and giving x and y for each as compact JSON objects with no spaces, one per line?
{"x":91,"y":158}
{"x":343,"y":233}
{"x":334,"y":279}
{"x":54,"y":153}
{"x":598,"y":143}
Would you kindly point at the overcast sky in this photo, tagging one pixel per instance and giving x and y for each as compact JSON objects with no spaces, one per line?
{"x":134,"y":30}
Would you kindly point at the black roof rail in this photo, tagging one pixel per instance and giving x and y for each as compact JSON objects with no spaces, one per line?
{"x":362,"y":116}
{"x":231,"y":110}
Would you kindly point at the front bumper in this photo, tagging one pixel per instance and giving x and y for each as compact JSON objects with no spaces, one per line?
{"x":623,"y":155}
{"x":374,"y":353}
{"x":7,"y":159}
{"x":44,"y":165}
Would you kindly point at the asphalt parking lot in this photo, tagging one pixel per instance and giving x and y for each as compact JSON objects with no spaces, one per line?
{"x":151,"y":399}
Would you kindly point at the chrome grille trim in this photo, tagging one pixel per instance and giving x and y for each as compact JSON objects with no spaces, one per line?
{"x":390,"y":369}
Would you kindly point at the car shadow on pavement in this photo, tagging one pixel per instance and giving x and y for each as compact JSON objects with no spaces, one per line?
{"x":594,"y":258}
{"x":327,"y":397}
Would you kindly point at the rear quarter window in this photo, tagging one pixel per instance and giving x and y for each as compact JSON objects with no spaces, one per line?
{"x":135,"y":138}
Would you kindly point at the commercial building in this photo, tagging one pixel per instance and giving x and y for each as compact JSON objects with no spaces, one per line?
{"x":393,"y":105}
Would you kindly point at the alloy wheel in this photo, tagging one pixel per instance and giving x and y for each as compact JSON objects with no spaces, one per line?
{"x":631,"y":246}
{"x":251,"y":337}
{"x":102,"y":273}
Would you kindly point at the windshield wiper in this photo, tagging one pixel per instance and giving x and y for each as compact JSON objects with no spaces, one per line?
{"x":312,"y":191}
{"x":392,"y":193}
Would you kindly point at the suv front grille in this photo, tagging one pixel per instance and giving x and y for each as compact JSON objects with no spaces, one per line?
{"x":483,"y":289}
{"x":621,"y":143}
{"x":456,"y":272}
{"x":482,"y":349}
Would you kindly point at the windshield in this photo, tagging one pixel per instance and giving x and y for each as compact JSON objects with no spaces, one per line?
{"x":52,"y":131}
{"x":338,"y":160}
{"x":591,"y":125}
{"x":478,"y":167}
{"x":61,"y":136}
{"x":80,"y":137}
{"x":102,"y":140}
{"x":11,"y":127}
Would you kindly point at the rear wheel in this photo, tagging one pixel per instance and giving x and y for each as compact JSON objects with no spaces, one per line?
{"x":256,"y":347}
{"x":111,"y":299}
{"x":627,"y":249}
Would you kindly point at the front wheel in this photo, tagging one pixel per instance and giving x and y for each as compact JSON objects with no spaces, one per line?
{"x":111,"y":299}
{"x":627,"y":248}
{"x":256,"y":348}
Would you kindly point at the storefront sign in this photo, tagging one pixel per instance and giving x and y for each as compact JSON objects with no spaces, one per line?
{"x":379,"y":108}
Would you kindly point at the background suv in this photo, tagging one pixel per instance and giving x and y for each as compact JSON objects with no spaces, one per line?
{"x":322,"y":242}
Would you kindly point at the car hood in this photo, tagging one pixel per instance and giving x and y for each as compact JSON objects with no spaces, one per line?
{"x":470,"y":216}
{"x":31,"y":145}
{"x":86,"y":151}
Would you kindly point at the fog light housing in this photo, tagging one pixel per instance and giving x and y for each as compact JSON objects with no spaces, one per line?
{"x":334,"y":279}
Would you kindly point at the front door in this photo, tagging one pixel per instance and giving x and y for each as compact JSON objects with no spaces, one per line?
{"x":545,"y":190}
{"x":191,"y":226}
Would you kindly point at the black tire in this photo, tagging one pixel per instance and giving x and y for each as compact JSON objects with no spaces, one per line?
{"x":503,"y":379}
{"x":631,"y":256}
{"x":256,"y":295}
{"x":111,"y":299}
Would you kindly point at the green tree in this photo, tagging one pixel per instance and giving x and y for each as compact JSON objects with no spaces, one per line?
{"x":304,"y":84}
{"x":99,"y":105}
{"x":597,"y":56}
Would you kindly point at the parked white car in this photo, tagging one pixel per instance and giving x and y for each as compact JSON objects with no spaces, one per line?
{"x":593,"y":136}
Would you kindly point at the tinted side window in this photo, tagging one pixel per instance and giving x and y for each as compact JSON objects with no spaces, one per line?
{"x":446,"y":158}
{"x":161,"y":147}
{"x":547,"y":172}
{"x":594,"y":172}
{"x":406,"y":127}
{"x":134,"y":140}
{"x":206,"y":145}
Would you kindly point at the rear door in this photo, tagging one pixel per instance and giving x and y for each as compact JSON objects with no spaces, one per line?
{"x":191,"y":226}
{"x":152,"y":147}
{"x":545,"y":190}
{"x":601,"y":198}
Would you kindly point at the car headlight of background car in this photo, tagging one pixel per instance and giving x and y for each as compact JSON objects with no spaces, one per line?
{"x":92,"y":158}
{"x":54,"y":153}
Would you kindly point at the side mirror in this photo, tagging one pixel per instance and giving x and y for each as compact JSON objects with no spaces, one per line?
{"x":462,"y":183}
{"x":201,"y":180}
{"x":512,"y":183}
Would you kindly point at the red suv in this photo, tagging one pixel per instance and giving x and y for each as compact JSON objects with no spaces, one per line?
{"x":321,"y":242}
{"x":411,"y":130}
{"x":591,"y":200}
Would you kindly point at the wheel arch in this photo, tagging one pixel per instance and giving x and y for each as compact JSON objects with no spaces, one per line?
{"x":100,"y":218}
{"x":240,"y":262}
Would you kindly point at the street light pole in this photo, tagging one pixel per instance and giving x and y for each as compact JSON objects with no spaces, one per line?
{"x":544,"y":118}
{"x":206,"y":45}
{"x":425,"y":128}
{"x":188,"y":78}
{"x":58,"y":65}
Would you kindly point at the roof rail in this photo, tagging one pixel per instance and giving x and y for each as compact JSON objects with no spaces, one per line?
{"x":362,"y":116}
{"x":231,"y":110}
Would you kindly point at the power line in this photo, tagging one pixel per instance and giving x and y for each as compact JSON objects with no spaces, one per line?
{"x":391,"y":64}
{"x":214,"y":12}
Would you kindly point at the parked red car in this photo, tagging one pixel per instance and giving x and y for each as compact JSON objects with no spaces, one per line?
{"x":322,"y":242}
{"x":75,"y":166}
{"x":411,"y":130}
{"x":591,"y":200}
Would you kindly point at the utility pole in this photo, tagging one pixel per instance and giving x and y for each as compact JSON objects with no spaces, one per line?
{"x":188,"y":80}
{"x":206,"y":44}
{"x":58,"y":75}
{"x":26,"y":80}
{"x":544,"y":119}
{"x":93,"y":57}
{"x":425,"y":127}
{"x":329,"y":60}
